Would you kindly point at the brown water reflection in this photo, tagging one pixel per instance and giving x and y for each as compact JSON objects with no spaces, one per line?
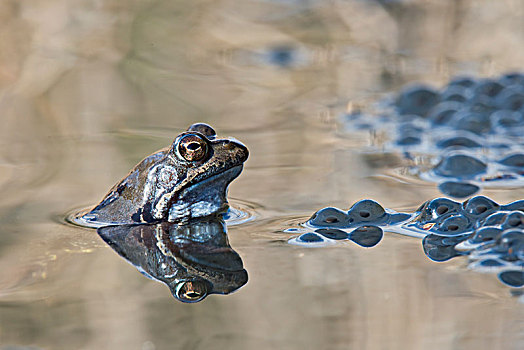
{"x":88,"y":88}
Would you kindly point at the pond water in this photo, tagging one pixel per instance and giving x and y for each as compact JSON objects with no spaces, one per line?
{"x":88,"y":88}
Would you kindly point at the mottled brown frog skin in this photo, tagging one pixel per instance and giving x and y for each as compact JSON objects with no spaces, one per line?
{"x":187,"y":180}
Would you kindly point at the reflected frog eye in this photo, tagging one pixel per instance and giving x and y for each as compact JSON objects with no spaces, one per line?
{"x":191,"y":291}
{"x":192,"y":148}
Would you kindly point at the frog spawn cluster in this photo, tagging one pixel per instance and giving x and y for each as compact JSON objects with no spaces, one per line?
{"x":490,"y":234}
{"x":472,"y":128}
{"x":361,"y":224}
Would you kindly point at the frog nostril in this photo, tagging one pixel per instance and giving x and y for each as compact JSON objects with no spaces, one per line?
{"x":228,"y":145}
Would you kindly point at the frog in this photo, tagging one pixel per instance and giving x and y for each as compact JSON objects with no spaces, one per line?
{"x":188,"y":179}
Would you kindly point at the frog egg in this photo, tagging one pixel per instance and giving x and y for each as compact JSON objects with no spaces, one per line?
{"x":453,"y":225}
{"x":309,"y":238}
{"x":436,"y":208}
{"x":475,"y":122}
{"x":458,"y":141}
{"x":517,"y":205}
{"x":495,"y":219}
{"x":459,"y":166}
{"x":409,"y":133}
{"x":437,"y":250}
{"x":514,"y":160}
{"x":367,"y":236}
{"x":444,"y":112}
{"x":504,"y":119}
{"x":480,"y":206}
{"x":482,"y":106}
{"x":458,"y":189}
{"x":456,"y":94}
{"x":509,"y":246}
{"x":330,"y":217}
{"x":488,"y":87}
{"x":511,"y":98}
{"x":410,"y":127}
{"x":511,"y":239}
{"x":408,"y":140}
{"x":463,"y":81}
{"x":418,"y":99}
{"x":485,"y":235}
{"x":332,"y":233}
{"x":512,"y":278}
{"x":366,"y":211}
{"x":482,"y":237}
{"x":513,"y":78}
{"x":514,"y":220}
{"x":489,"y":264}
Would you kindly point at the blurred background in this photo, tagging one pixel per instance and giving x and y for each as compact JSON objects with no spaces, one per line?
{"x":90,"y":87}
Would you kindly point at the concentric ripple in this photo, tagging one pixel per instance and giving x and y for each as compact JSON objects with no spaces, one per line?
{"x":238,"y":213}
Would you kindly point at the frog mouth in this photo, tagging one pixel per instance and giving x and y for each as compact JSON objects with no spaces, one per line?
{"x":205,"y":197}
{"x":222,"y":179}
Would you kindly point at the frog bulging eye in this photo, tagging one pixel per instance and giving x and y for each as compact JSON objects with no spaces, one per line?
{"x":192,"y":147}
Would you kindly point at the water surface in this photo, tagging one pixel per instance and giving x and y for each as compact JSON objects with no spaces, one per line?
{"x":88,"y":88}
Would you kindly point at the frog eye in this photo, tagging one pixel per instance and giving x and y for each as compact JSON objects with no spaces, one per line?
{"x":192,"y":147}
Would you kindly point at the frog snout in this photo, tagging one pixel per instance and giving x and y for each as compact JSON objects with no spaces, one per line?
{"x":234,"y":146}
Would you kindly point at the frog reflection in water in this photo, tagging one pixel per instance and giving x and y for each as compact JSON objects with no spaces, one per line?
{"x":193,"y":260}
{"x":164,"y":216}
{"x":187,"y":180}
